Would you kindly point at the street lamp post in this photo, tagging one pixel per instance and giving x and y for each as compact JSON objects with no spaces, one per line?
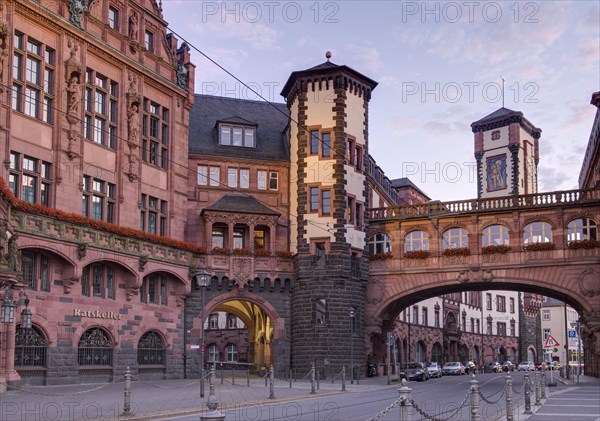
{"x":202,"y":279}
{"x":352,"y":316}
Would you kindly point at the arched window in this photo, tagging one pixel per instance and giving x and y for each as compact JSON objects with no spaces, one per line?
{"x":495,"y":235}
{"x":537,"y":232}
{"x":30,"y":348}
{"x":454,"y":238}
{"x":213,"y":353}
{"x":436,"y":353}
{"x":380,"y":243}
{"x":94,"y":348}
{"x":582,"y":229}
{"x":420,"y":351}
{"x":416,"y":240}
{"x":151,"y":349}
{"x":232,"y":352}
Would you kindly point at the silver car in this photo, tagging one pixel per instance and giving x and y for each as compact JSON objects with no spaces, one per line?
{"x":434,"y":370}
{"x":455,"y":368}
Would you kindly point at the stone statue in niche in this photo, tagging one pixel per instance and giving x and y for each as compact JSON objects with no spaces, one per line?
{"x":74,"y":95}
{"x":182,"y":76}
{"x":133,"y":115}
{"x":12,"y":254}
{"x":133,"y":26}
{"x":132,"y":90}
{"x":77,"y":8}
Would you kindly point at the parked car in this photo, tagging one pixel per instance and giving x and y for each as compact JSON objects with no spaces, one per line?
{"x":434,"y":370}
{"x":508,"y":366}
{"x":493,"y":368}
{"x":455,"y":368}
{"x":541,"y":366}
{"x":526,"y":366}
{"x":415,"y":371}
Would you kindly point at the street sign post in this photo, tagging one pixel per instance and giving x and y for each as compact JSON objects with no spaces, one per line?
{"x":572,"y":334}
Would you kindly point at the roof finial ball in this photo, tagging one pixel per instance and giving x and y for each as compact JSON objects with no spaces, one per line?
{"x":328,"y":55}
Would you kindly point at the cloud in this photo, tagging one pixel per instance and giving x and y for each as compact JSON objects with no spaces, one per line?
{"x":368,"y":58}
{"x":258,"y":35}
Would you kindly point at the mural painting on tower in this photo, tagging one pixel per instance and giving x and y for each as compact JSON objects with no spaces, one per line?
{"x":496,"y":173}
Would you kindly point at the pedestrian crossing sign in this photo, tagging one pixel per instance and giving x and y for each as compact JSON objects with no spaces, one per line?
{"x":551,"y":342}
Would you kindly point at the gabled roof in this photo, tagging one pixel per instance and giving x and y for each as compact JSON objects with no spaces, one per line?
{"x":270,"y":120}
{"x":326,"y":68}
{"x":240,"y":204}
{"x":503,"y":117}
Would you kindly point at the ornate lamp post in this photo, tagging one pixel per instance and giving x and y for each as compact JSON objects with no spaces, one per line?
{"x":202,"y":279}
{"x":7,"y":317}
{"x":352,"y":317}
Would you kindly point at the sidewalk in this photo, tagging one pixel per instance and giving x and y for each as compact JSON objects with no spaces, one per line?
{"x":570,"y":400}
{"x":156,"y":399}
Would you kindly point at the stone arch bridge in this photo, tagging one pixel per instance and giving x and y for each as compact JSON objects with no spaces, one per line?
{"x":567,"y":268}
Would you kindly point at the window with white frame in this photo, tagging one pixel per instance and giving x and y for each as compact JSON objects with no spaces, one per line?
{"x":501,"y":303}
{"x":546,"y":333}
{"x":244,"y":178}
{"x":232,"y":177}
{"x":101,"y":114}
{"x":380,"y":243}
{"x":213,"y":321}
{"x":33,"y":78}
{"x":202,"y":175}
{"x":232,"y":321}
{"x":537,"y":232}
{"x":215,"y":176}
{"x":230,"y":135}
{"x":232,"y":353}
{"x":149,"y":41}
{"x":488,"y":301}
{"x":98,"y":200}
{"x":546,"y":315}
{"x":273,"y":180}
{"x":511,"y":304}
{"x":495,"y":235}
{"x":213,"y":353}
{"x":416,"y":240}
{"x":455,"y":238}
{"x":29,"y":178}
{"x":582,"y":229}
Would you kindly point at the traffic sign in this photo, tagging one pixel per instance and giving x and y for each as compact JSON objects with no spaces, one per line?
{"x":572,"y":334}
{"x":551,"y":342}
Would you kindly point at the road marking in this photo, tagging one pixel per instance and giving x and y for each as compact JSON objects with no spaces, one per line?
{"x":552,"y":414}
{"x":578,"y":406}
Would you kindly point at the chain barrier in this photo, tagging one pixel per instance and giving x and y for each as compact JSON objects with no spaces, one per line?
{"x":486,"y":400}
{"x":432,"y":418}
{"x":80,"y":392}
{"x":261,"y":378}
{"x":170,"y":387}
{"x":518,"y":392}
{"x":386,"y":410}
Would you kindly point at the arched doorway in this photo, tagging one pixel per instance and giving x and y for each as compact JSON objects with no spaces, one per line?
{"x":420,"y":352}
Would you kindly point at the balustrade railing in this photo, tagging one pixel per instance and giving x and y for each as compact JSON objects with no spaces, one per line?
{"x":565,"y":197}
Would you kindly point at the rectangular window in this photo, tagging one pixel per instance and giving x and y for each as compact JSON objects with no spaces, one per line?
{"x":218,"y":237}
{"x":153,"y":215}
{"x":232,"y":174}
{"x":512,"y":329}
{"x":501,"y":303}
{"x":351,"y":210}
{"x":314,"y":199}
{"x":236,"y":136}
{"x":350,"y":152}
{"x":488,"y":301}
{"x":273,"y":180}
{"x":326,"y":148}
{"x":489,"y":327}
{"x":213,"y":321}
{"x":415,"y":315}
{"x":546,"y":333}
{"x":262,"y":180}
{"x":477,"y":323}
{"x":424,"y":316}
{"x":358,"y":163}
{"x":244,"y":178}
{"x":511,"y":304}
{"x":437,"y":318}
{"x":214,"y":176}
{"x":33,"y":78}
{"x":113,"y":18}
{"x":155,"y":134}
{"x":501,"y":329}
{"x":260,"y":239}
{"x":546,"y":315}
{"x":239,"y":238}
{"x":29,"y":178}
{"x":472,"y":325}
{"x":314,"y":142}
{"x":98,"y":199}
{"x":100,"y":122}
{"x":320,"y":312}
{"x":231,"y":321}
{"x":326,"y":202}
{"x":202,"y":175}
{"x":149,"y":41}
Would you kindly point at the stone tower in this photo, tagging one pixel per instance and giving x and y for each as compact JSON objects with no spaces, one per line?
{"x":507,"y":154}
{"x":328,"y":107}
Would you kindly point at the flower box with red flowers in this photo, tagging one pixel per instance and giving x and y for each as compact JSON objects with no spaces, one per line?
{"x":495,"y":249}
{"x":417,"y":254}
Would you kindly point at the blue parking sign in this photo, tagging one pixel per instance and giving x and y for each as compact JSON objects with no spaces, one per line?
{"x":572,"y":333}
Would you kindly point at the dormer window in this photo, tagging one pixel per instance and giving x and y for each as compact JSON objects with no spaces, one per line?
{"x":231,"y":135}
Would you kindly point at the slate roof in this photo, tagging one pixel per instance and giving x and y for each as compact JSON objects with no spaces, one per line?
{"x":240,"y":204}
{"x":399,"y":183}
{"x":503,"y":117}
{"x":270,"y":120}
{"x":325,"y":68}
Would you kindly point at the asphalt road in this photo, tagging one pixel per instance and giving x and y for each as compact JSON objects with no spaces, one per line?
{"x":438,"y":398}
